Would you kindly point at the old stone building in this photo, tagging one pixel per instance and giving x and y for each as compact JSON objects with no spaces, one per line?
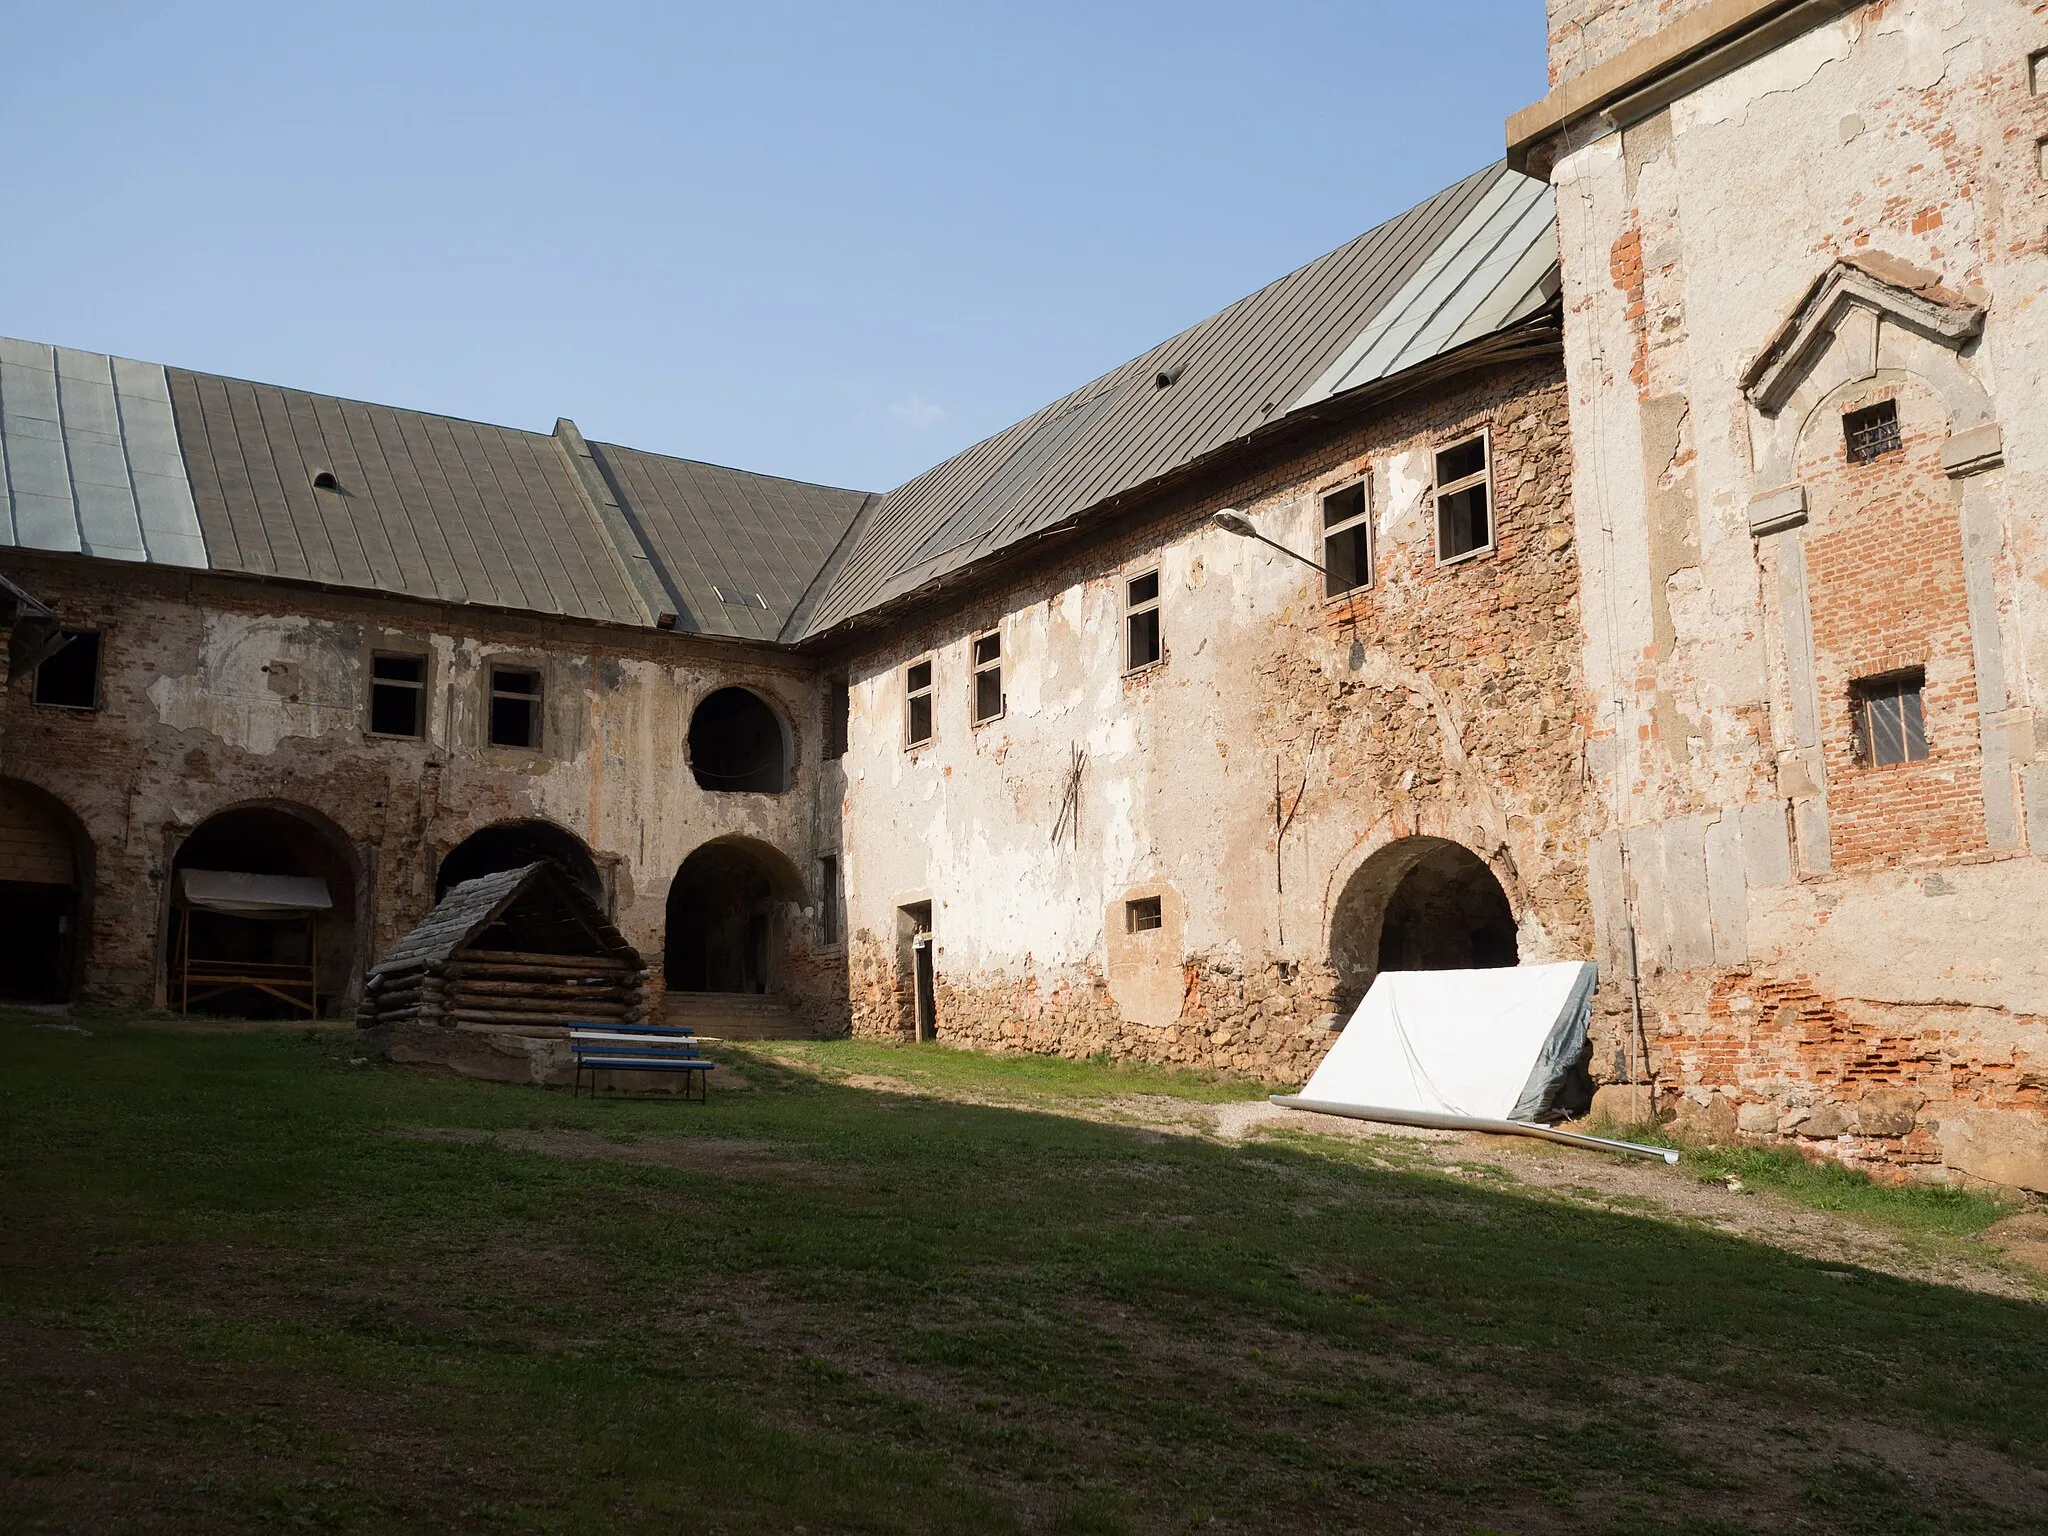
{"x":1803,"y":255}
{"x":1626,"y":553}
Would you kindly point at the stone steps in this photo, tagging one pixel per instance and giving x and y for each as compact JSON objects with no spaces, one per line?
{"x":735,"y":1016}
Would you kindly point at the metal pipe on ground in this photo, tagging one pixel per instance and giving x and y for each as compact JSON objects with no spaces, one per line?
{"x":1430,"y":1120}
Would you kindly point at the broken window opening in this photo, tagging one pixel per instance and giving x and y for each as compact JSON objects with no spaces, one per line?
{"x":917,"y":698}
{"x":838,"y":717}
{"x":737,"y":744}
{"x":1890,"y":719}
{"x":828,"y":900}
{"x":1143,"y":645}
{"x":1143,"y":914}
{"x":515,"y":707}
{"x":70,"y":678}
{"x":1347,"y":541}
{"x":1872,"y":432}
{"x":988,"y":677}
{"x":1464,"y":500}
{"x":398,"y":694}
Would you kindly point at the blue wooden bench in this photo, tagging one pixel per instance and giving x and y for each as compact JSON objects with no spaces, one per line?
{"x":599,"y":1048}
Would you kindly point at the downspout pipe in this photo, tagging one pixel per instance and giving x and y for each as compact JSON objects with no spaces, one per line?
{"x":1431,"y":1120}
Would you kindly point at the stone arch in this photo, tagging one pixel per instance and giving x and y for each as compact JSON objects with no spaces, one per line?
{"x":269,"y":837}
{"x":739,"y":742}
{"x":726,"y":918}
{"x":46,"y":868}
{"x":1419,"y":903}
{"x":512,"y":845}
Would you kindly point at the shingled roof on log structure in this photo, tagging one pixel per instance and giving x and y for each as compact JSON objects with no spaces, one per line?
{"x":469,"y":910}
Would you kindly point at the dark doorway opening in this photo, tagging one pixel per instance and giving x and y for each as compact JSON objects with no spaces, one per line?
{"x":723,"y":923}
{"x":299,"y":962}
{"x":43,"y":862}
{"x":736,"y":743}
{"x":1421,"y":904}
{"x":918,"y":962}
{"x":514,"y":845}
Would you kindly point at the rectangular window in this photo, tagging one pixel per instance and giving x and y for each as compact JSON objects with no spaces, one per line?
{"x":1871,"y":432}
{"x":70,"y":677}
{"x":1891,"y":726}
{"x":838,"y":716}
{"x":1142,"y":915}
{"x":917,"y":699}
{"x":1464,"y":505}
{"x":1142,"y":646}
{"x":398,"y":695}
{"x":988,"y":676}
{"x":515,"y":707}
{"x":828,"y":899}
{"x":1347,"y":541}
{"x":2037,"y":71}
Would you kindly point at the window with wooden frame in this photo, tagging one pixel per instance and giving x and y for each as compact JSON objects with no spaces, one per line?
{"x":1143,"y":644}
{"x":1347,"y":540}
{"x":917,"y":703}
{"x":398,"y":695}
{"x":1143,"y":914}
{"x":1890,"y":718}
{"x":69,"y":677}
{"x":515,"y":707}
{"x":828,"y":899}
{"x":988,"y":676}
{"x":1464,"y":499}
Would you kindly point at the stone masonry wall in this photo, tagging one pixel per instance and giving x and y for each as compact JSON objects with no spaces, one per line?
{"x":1254,"y":781}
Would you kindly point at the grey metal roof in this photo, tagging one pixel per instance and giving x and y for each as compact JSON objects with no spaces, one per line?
{"x":738,"y":549}
{"x":89,"y":458}
{"x":428,"y":506}
{"x":1470,"y":260}
{"x":558,"y":913}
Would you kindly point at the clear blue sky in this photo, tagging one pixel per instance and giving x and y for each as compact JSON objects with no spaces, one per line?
{"x":825,"y":240}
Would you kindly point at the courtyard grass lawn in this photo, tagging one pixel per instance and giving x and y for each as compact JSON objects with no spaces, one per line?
{"x":253,"y":1281}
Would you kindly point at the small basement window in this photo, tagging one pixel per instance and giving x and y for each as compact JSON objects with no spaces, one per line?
{"x":1142,"y":646}
{"x":70,"y":677}
{"x":917,"y":701}
{"x":1891,"y":722}
{"x":1347,"y":536}
{"x":1464,"y":503}
{"x":515,"y":707}
{"x":398,"y":694}
{"x":1871,"y":432}
{"x":988,"y":676}
{"x":1143,"y":914}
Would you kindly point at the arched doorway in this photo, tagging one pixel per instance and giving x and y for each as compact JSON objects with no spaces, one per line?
{"x":45,"y":869}
{"x":725,"y":919}
{"x":1419,"y":904}
{"x":263,"y":915}
{"x":514,"y":845}
{"x":737,"y":743}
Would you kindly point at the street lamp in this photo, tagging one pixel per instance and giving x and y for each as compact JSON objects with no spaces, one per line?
{"x":1230,"y":520}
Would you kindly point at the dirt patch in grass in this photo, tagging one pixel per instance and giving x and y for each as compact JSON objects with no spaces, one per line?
{"x":692,"y":1154}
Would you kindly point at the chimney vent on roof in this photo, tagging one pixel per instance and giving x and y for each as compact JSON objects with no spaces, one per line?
{"x":325,"y":481}
{"x":1168,"y":376}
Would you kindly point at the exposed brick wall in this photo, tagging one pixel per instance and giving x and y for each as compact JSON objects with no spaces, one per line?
{"x":1459,"y":716}
{"x":1584,"y":33}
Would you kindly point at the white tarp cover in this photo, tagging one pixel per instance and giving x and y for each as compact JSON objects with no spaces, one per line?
{"x":221,"y":890}
{"x":1488,"y":1045}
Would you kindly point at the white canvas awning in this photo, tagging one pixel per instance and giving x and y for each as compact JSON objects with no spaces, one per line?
{"x":266,"y":896}
{"x":1489,"y":1050}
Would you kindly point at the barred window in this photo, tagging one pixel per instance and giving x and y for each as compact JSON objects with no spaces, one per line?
{"x":1891,"y":723}
{"x":1872,"y":432}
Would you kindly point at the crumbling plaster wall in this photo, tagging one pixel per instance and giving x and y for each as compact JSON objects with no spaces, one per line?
{"x":1785,"y":972}
{"x":219,"y":692}
{"x":1443,"y":701}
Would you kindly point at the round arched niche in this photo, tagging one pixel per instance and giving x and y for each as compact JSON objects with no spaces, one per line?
{"x":1419,"y":904}
{"x":739,"y":743}
{"x":45,"y":879}
{"x":725,"y":921}
{"x":271,"y":837}
{"x":514,"y":845}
